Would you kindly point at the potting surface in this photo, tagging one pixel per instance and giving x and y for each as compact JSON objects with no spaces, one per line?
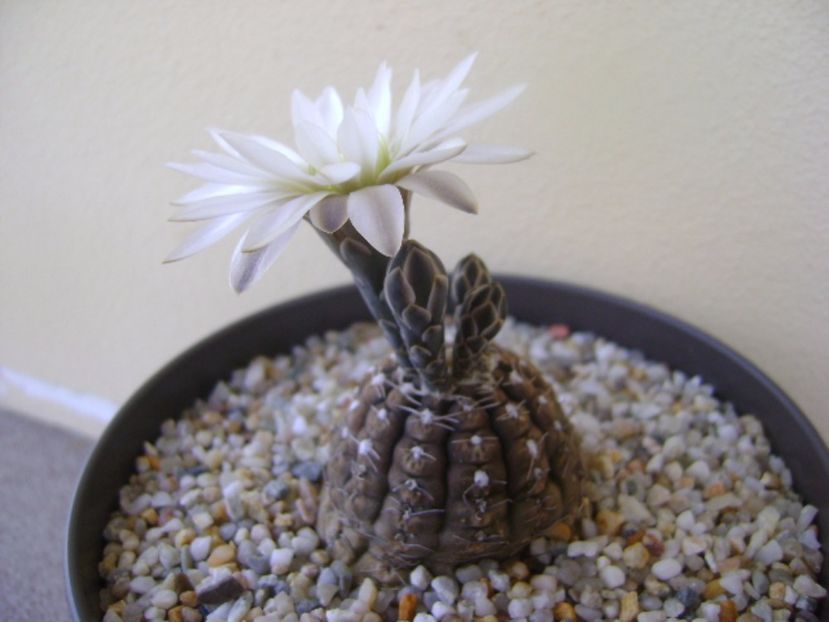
{"x":39,"y":465}
{"x":694,"y":515}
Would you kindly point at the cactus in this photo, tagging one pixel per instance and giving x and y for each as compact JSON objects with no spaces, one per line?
{"x":451,"y":451}
{"x":445,"y":459}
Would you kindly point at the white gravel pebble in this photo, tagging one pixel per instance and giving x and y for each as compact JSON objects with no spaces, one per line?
{"x":612,"y":576}
{"x":200,"y":548}
{"x":305,"y":541}
{"x":368,"y":592}
{"x":281,"y":560}
{"x":500,"y":580}
{"x":806,"y":585}
{"x":542,"y":583}
{"x":666,"y":569}
{"x":468,"y":573}
{"x":420,"y":578}
{"x":440,"y":610}
{"x":769,"y":553}
{"x":164,"y":599}
{"x":733,"y":581}
{"x":142,"y":585}
{"x":446,"y":589}
{"x":520,"y":608}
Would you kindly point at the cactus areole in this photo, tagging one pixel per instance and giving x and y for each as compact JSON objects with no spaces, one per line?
{"x":455,"y":449}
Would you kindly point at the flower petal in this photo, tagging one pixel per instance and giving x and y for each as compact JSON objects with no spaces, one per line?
{"x":358,"y":139}
{"x":379,"y":99}
{"x":303,"y":110}
{"x":331,"y":213}
{"x":407,"y":109}
{"x":279,"y":220}
{"x":217,"y":135}
{"x":478,"y":112}
{"x":205,"y":236}
{"x":225,"y":205}
{"x":265,"y":158}
{"x":211,"y":173}
{"x":279,"y":147}
{"x":212,"y":191}
{"x":433,"y":121}
{"x":443,"y":186}
{"x":330,"y":108}
{"x":451,"y":83}
{"x":316,"y":146}
{"x":445,"y":151}
{"x":229,"y":163}
{"x":340,"y":172}
{"x":247,"y":268}
{"x":492,"y":154}
{"x":378,"y":215}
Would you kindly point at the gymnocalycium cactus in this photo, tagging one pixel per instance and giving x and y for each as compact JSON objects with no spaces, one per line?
{"x":455,"y":449}
{"x":449,"y":453}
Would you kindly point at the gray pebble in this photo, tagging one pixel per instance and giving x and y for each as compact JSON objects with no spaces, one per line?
{"x":308,"y":469}
{"x":220,"y":591}
{"x":249,"y":556}
{"x":307,"y":605}
{"x":689,"y":598}
{"x":276,"y":490}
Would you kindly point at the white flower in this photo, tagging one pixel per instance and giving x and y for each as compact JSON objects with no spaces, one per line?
{"x":350,"y":163}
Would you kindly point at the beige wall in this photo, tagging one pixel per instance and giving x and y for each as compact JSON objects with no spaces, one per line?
{"x":682,"y":160}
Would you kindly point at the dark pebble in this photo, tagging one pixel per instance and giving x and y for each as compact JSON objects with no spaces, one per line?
{"x":308,"y":469}
{"x":535,"y":565}
{"x":195,"y":471}
{"x":273,"y":584}
{"x":689,"y":598}
{"x":557,"y":548}
{"x":183,"y":583}
{"x":121,"y":588}
{"x":307,"y":605}
{"x":227,"y":589}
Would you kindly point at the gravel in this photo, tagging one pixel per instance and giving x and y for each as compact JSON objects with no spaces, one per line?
{"x":689,"y":514}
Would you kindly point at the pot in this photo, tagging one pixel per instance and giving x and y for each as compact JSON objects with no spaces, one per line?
{"x":194,"y":373}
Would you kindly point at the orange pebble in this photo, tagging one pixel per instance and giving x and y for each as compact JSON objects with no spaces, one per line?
{"x":714,"y":490}
{"x":712,"y":590}
{"x":407,"y":607}
{"x":609,"y":522}
{"x":634,"y":538}
{"x":564,"y":612}
{"x":560,"y":531}
{"x":728,"y":611}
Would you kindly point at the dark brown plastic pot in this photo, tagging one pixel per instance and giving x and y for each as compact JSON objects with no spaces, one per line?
{"x":193,"y":374}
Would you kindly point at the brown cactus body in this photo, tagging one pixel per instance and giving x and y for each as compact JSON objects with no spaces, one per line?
{"x":453,"y":452}
{"x":446,"y":478}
